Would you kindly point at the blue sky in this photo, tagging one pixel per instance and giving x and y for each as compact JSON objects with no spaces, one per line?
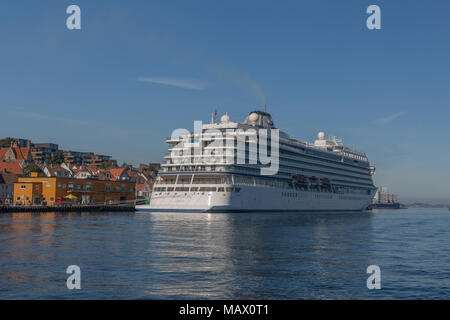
{"x":139,"y":69}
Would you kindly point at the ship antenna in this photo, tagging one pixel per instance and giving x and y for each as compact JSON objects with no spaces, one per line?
{"x":265,"y":108}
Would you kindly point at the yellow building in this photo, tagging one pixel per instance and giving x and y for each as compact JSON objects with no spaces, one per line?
{"x":56,"y":190}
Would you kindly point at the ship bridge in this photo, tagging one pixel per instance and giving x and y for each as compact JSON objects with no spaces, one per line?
{"x":260,"y":119}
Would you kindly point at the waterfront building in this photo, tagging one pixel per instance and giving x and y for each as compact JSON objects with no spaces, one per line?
{"x":384,"y":196}
{"x":42,"y":152}
{"x":11,"y":167}
{"x":73,"y":158}
{"x":7,"y":181}
{"x":16,"y":153}
{"x":57,"y":170}
{"x":143,"y":190}
{"x":120,"y":174}
{"x":85,"y":158}
{"x":56,"y":190}
{"x":96,"y":160}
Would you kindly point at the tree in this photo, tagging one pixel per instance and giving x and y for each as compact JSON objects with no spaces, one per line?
{"x":57,"y":157}
{"x":152,"y":169}
{"x":29,"y":168}
{"x":6,"y":143}
{"x":108,"y":164}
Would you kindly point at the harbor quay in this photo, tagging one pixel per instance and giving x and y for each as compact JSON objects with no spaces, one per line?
{"x":67,"y":208}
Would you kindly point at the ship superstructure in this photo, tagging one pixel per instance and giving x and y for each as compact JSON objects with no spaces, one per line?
{"x":205,"y":173}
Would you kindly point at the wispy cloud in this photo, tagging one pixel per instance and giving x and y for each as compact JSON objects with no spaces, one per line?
{"x":389,"y":119}
{"x":176,"y":82}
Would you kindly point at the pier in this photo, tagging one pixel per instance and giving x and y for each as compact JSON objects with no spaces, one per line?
{"x":68,"y":208}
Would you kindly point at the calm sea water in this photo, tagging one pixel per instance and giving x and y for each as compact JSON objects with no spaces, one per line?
{"x":226,"y":256}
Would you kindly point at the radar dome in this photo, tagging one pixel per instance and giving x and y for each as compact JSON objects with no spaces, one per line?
{"x":253,"y":117}
{"x":225,"y":118}
{"x":321,"y":135}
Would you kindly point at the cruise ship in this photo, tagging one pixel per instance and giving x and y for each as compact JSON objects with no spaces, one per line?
{"x":203,"y":173}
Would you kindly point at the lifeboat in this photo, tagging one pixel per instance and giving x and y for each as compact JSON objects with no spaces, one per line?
{"x":299,"y":178}
{"x":313,"y":180}
{"x":325,"y":184}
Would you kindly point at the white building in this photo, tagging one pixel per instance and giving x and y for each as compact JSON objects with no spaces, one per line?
{"x":384,"y":196}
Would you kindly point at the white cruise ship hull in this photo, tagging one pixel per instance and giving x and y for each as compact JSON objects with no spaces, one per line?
{"x":252,"y":198}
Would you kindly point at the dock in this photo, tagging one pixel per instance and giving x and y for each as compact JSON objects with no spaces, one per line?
{"x":68,"y":208}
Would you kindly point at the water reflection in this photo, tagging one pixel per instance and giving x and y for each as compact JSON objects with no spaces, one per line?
{"x":256,"y":255}
{"x":195,"y":255}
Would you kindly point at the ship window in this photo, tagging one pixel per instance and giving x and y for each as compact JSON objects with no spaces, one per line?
{"x":237,"y":189}
{"x":208,"y":189}
{"x":194,"y":189}
{"x":221,"y":190}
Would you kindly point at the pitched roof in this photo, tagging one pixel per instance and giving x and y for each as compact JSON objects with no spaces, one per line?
{"x":117,"y":172}
{"x":22,"y":153}
{"x":104,"y":176}
{"x":54,"y":169}
{"x":19,"y":153}
{"x":2,"y":152}
{"x":140,"y":186}
{"x":8,"y":178}
{"x":11,"y":167}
